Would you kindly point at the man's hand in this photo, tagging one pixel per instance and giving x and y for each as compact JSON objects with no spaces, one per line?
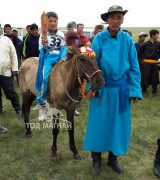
{"x":91,"y":94}
{"x":15,"y":73}
{"x":134,"y":100}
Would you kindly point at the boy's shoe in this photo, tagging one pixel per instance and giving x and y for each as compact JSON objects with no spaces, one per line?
{"x":42,"y":113}
{"x":3,"y":129}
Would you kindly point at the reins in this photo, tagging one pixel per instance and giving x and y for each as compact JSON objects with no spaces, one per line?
{"x":76,"y":101}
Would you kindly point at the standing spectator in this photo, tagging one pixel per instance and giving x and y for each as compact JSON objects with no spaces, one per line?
{"x":148,"y":55}
{"x":8,"y":66}
{"x":156,"y":166}
{"x":141,"y":39}
{"x":71,"y":27}
{"x":28,"y":30}
{"x":24,"y":41}
{"x":54,"y":51}
{"x":82,"y":38}
{"x":19,"y":48}
{"x":32,"y":42}
{"x":12,"y":37}
{"x":97,"y":29}
{"x":109,"y":123}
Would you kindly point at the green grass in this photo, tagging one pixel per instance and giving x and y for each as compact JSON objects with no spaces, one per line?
{"x":24,"y":158}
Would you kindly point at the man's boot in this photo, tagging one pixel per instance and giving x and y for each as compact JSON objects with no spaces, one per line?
{"x":96,"y":159}
{"x":156,"y":167}
{"x":113,"y":162}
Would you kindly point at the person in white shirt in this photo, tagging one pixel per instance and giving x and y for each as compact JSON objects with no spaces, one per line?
{"x":8,"y":66}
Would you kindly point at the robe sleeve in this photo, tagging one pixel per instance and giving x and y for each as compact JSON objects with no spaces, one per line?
{"x":134,"y":76}
{"x":13,"y":55}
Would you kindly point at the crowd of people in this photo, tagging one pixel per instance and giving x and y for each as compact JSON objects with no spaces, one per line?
{"x":127,"y":74}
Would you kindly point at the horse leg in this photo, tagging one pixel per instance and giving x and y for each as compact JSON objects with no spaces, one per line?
{"x":55,"y":132}
{"x":70,"y":118}
{"x":32,"y":97}
{"x":26,"y":104}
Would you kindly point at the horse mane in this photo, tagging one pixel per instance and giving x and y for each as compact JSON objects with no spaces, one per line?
{"x":71,"y":36}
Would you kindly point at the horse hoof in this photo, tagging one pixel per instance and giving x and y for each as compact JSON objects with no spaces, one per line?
{"x":54,"y":156}
{"x":28,"y":134}
{"x":77,"y":157}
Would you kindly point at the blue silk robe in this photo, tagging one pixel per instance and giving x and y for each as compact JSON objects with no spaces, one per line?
{"x":108,"y":129}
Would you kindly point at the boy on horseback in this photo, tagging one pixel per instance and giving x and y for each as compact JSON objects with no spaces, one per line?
{"x":51,"y":51}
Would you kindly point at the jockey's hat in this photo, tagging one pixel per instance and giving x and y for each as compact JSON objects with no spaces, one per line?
{"x":113,"y":9}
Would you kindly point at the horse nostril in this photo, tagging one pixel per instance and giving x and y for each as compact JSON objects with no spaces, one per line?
{"x":99,"y":81}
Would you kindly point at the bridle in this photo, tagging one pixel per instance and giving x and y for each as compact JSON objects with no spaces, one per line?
{"x":89,"y":77}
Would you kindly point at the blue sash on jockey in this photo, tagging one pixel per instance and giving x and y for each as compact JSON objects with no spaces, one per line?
{"x":39,"y":78}
{"x":123,"y":93}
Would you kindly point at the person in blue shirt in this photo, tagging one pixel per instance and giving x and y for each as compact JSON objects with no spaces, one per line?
{"x":51,"y":51}
{"x":109,"y":120}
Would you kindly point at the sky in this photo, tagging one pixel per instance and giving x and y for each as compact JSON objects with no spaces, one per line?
{"x":19,"y":13}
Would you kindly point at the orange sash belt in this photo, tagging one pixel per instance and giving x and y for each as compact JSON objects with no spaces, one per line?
{"x":149,"y":61}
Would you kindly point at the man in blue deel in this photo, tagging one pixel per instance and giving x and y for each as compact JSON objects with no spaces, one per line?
{"x":109,"y":122}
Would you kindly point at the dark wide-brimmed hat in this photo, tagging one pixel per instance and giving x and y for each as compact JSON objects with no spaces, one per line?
{"x":113,"y":9}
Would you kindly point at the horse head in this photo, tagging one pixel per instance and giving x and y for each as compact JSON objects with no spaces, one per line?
{"x":85,"y":62}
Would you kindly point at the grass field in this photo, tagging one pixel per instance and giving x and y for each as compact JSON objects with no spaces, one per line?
{"x":24,"y":158}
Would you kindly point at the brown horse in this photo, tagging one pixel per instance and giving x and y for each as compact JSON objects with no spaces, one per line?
{"x":63,"y":90}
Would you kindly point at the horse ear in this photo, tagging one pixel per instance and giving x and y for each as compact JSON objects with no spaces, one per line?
{"x":70,"y":49}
